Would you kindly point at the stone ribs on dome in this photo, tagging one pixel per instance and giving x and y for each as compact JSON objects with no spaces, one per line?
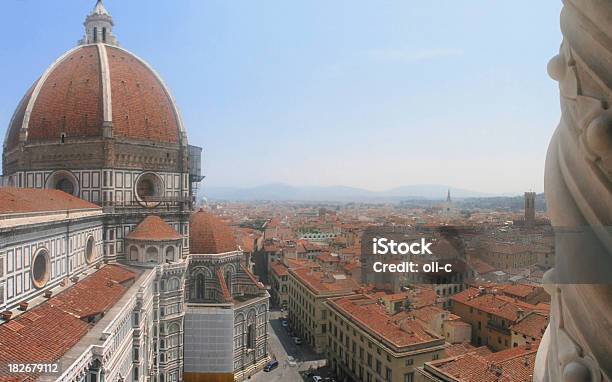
{"x":210,"y":235}
{"x":72,"y":98}
{"x":154,"y":228}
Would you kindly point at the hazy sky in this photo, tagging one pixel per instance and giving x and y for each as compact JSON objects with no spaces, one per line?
{"x":372,"y":94}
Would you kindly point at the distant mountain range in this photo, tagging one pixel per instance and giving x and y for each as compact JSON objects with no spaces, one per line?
{"x":284,"y":192}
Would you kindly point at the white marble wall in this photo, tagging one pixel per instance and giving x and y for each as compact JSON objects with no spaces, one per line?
{"x":66,"y":251}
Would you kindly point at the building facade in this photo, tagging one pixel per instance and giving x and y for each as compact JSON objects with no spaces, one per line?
{"x":309,"y":288}
{"x":96,"y":224}
{"x":491,"y":315}
{"x":366,"y":343}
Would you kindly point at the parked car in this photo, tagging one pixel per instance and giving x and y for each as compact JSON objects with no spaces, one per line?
{"x":297,"y":340}
{"x":271,"y":365}
{"x":284,"y":322}
{"x":317,"y":378}
{"x":291,"y":361}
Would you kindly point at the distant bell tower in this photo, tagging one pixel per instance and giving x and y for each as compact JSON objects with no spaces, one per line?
{"x":99,"y":27}
{"x":530,"y":209}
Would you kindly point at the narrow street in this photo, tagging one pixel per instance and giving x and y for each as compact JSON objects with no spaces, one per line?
{"x":282,"y":346}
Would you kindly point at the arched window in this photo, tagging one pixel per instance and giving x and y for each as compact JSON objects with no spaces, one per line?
{"x":103,"y":34}
{"x":64,"y":181}
{"x":173,"y":284}
{"x":251,"y":336}
{"x":152,"y":255}
{"x":170,"y":254}
{"x":95,"y":34}
{"x":133,"y":253}
{"x":228,"y":280}
{"x":200,"y":287}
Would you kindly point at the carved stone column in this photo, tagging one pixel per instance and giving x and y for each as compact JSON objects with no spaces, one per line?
{"x":577,"y":345}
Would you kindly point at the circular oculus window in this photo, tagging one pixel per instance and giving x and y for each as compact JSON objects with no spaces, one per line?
{"x":149,"y":190}
{"x":64,"y":181}
{"x":40,"y":268}
{"x":90,"y":249}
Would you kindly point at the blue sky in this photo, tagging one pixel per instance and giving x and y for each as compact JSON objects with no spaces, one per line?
{"x":372,"y":94}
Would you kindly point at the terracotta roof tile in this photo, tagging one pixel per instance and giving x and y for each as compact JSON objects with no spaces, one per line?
{"x":295,"y":263}
{"x":463,"y":348}
{"x":227,"y":296}
{"x":480,"y":266}
{"x":70,"y":101}
{"x":46,"y":332}
{"x":279,"y":268}
{"x":533,"y":325}
{"x":512,"y":365}
{"x":520,"y":290}
{"x":496,"y":304}
{"x":86,"y":299}
{"x":322,"y":282}
{"x":23,"y":200}
{"x":252,"y":277}
{"x":141,"y":107}
{"x":327,"y":257}
{"x":209,"y":235}
{"x":154,"y":228}
{"x":426,"y":313}
{"x":365,"y":310}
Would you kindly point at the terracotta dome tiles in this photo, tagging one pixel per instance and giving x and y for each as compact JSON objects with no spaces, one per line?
{"x":141,"y":107}
{"x":71,"y":100}
{"x":154,"y":228}
{"x":210,"y":235}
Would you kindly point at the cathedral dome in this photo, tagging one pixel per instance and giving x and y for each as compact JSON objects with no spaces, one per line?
{"x":209,"y":235}
{"x":91,"y":87}
{"x":96,"y":90}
